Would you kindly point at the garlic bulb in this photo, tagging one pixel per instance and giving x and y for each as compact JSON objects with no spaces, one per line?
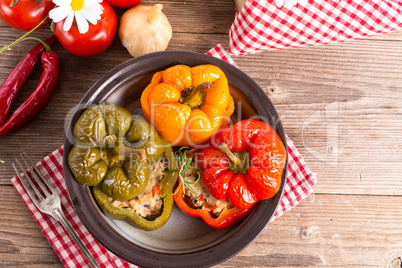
{"x":145,"y":29}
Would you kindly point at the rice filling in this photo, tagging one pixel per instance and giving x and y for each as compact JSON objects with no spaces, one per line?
{"x":150,"y":201}
{"x":203,"y":199}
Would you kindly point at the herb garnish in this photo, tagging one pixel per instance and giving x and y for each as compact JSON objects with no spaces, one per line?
{"x":184,"y":162}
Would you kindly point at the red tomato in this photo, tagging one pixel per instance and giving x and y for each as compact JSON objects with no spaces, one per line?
{"x":25,"y":14}
{"x":123,"y":3}
{"x":96,"y":40}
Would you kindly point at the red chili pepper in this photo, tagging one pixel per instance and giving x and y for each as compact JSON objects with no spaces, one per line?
{"x":38,"y":98}
{"x":227,"y":218}
{"x":17,"y":77}
{"x":243,"y":164}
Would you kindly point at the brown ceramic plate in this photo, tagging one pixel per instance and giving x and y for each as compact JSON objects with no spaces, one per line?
{"x":183,"y":241}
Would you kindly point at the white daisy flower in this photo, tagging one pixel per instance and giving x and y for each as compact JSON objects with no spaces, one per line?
{"x":83,"y":11}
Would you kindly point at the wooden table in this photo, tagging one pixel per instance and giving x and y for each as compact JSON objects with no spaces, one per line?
{"x":341,"y":104}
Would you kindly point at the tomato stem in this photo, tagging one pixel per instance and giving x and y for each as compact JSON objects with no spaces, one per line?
{"x":13,"y":3}
{"x":25,"y":35}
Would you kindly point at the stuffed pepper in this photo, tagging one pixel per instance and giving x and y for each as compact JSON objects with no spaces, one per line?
{"x":186,"y":104}
{"x":199,"y":203}
{"x":124,"y":159}
{"x":242,"y":165}
{"x":195,"y":200}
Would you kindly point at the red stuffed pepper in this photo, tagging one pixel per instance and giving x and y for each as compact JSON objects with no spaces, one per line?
{"x":193,"y":198}
{"x":243,"y":164}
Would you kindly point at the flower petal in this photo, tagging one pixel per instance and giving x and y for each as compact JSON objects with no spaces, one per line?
{"x":62,"y":2}
{"x":88,"y":15}
{"x":94,"y":5}
{"x":59,"y":13}
{"x":68,"y":21}
{"x":81,"y":22}
{"x":96,"y":8}
{"x":92,"y":13}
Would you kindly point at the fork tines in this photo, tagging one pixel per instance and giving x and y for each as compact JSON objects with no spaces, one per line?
{"x":47,"y":200}
{"x":38,"y":180}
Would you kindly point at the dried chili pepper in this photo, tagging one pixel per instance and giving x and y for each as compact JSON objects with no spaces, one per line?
{"x":17,"y":77}
{"x":39,"y":97}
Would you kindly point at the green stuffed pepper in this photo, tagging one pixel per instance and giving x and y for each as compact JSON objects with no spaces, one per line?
{"x":124,"y":158}
{"x":151,"y":209}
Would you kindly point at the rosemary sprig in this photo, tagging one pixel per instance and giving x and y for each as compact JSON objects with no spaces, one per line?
{"x":184,"y":163}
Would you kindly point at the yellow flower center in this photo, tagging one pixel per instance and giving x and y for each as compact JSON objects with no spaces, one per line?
{"x":77,"y":5}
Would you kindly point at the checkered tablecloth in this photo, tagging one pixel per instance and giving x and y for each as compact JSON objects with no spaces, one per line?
{"x":299,"y":185}
{"x":260,"y":25}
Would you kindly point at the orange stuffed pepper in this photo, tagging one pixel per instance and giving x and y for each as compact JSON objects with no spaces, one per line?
{"x":186,"y":105}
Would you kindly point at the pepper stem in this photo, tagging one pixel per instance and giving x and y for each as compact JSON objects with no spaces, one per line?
{"x":223,"y":147}
{"x":239,"y":162}
{"x":194,"y":97}
{"x":25,"y":37}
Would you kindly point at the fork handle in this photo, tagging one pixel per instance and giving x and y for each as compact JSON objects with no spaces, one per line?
{"x":60,"y":217}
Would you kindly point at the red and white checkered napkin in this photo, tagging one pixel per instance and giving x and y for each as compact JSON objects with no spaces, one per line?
{"x":299,"y":184}
{"x":262,"y":26}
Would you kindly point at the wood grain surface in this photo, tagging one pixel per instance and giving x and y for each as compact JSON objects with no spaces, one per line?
{"x":341,"y":104}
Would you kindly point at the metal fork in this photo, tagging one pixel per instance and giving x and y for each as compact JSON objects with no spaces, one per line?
{"x":48,"y":201}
